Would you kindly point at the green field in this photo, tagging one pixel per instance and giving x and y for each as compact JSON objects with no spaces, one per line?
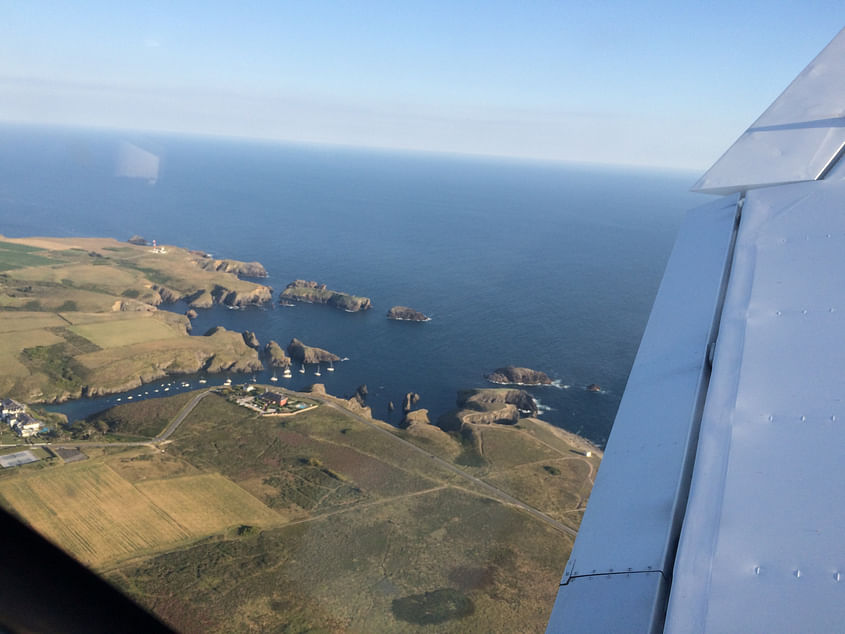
{"x":16,"y":256}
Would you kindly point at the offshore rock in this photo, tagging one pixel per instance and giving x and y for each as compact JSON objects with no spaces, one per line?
{"x":308,"y":354}
{"x":191,"y":313}
{"x":136,"y":239}
{"x":403,"y":313}
{"x":411,"y":399}
{"x":511,"y":375}
{"x":314,"y":293}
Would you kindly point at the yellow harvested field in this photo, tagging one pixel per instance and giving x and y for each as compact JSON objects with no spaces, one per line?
{"x":207,"y":503}
{"x":77,"y":318}
{"x":92,"y":512}
{"x":82,"y":275}
{"x":123,"y":332}
{"x":16,"y":321}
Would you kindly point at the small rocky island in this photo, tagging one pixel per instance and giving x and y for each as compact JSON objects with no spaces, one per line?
{"x":511,"y":375}
{"x":403,"y":313}
{"x":314,"y":293}
{"x":298,"y":351}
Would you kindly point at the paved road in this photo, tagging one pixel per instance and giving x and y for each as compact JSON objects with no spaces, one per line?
{"x":182,"y":415}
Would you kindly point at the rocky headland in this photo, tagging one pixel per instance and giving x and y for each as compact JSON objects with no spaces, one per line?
{"x":276,"y":356}
{"x":298,"y":351}
{"x":403,"y":313}
{"x":512,"y":375}
{"x":488,"y":406}
{"x":241,"y":269}
{"x":314,"y":293}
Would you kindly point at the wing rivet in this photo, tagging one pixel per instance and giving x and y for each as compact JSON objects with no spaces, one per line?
{"x":797,"y":573}
{"x":757,"y":570}
{"x":833,"y":418}
{"x":771,"y":418}
{"x":837,"y":576}
{"x":803,"y":419}
{"x":778,"y":313}
{"x":804,"y":312}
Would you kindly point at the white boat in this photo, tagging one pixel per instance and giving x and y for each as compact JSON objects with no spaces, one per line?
{"x":274,"y":377}
{"x":286,"y":373}
{"x":317,"y":371}
{"x":227,"y":382}
{"x":330,"y":368}
{"x":203,"y":381}
{"x":302,"y":369}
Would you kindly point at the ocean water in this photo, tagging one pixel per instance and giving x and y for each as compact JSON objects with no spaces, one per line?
{"x":545,"y":265}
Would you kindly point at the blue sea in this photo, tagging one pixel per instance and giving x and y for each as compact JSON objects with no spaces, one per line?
{"x":547,"y":265}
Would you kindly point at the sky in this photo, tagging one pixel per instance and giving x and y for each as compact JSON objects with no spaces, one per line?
{"x":662,"y":84}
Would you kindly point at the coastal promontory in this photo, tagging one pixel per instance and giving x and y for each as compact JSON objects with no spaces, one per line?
{"x":276,"y":356}
{"x":85,"y":316}
{"x":512,"y":375}
{"x":403,"y":313}
{"x":488,"y":406}
{"x":314,"y":293}
{"x":298,"y":351}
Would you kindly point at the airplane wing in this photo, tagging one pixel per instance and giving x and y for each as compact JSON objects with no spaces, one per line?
{"x":719,"y":506}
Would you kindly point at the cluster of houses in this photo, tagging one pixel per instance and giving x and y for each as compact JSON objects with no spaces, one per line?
{"x":19,"y":421}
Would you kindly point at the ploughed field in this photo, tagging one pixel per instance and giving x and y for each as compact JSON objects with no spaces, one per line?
{"x":325,"y":520}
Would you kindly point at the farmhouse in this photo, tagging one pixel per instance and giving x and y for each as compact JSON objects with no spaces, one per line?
{"x":19,"y":421}
{"x":274,"y":398}
{"x":10,"y":408}
{"x":26,"y":426}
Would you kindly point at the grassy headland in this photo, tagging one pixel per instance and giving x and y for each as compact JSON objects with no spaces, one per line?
{"x":78,"y":316}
